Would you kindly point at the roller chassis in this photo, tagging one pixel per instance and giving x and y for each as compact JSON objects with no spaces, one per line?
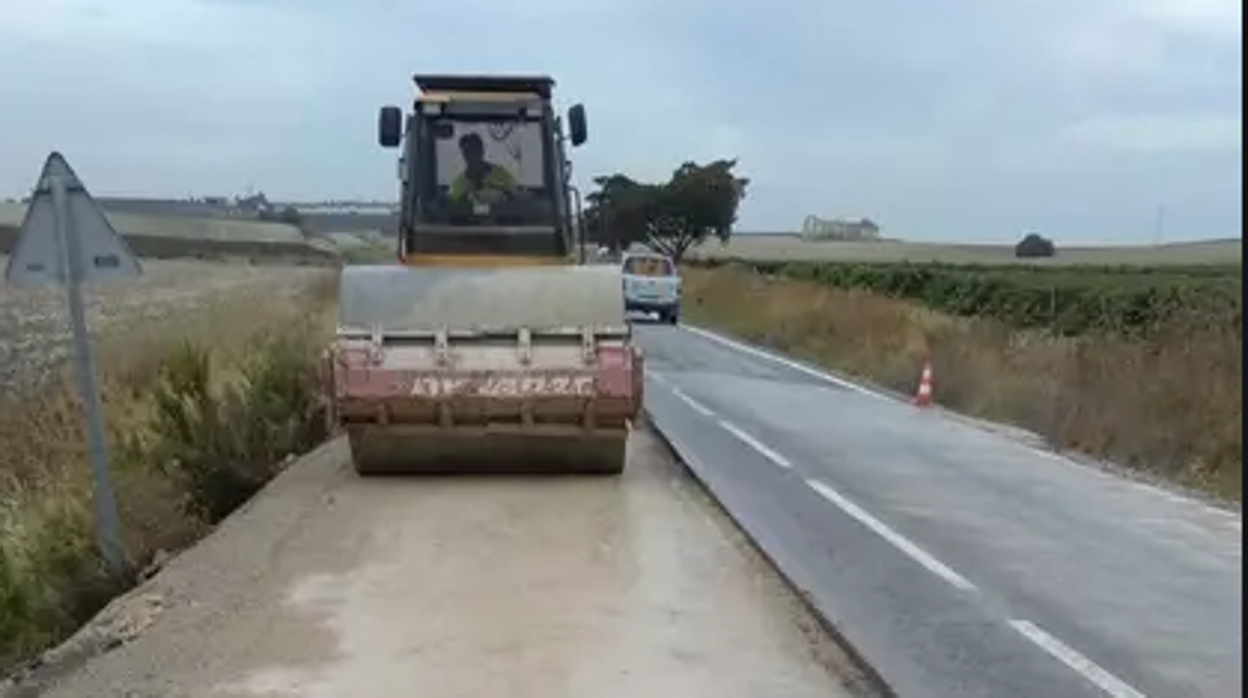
{"x":489,"y":347}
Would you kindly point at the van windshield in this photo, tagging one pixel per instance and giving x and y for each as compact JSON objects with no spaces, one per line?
{"x":648,"y":266}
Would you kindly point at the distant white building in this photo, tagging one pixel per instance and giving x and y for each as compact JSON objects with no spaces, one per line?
{"x":347,"y":208}
{"x":816,"y":228}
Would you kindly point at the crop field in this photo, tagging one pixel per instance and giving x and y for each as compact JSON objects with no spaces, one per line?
{"x":131,"y":224}
{"x":34,"y":334}
{"x":792,"y":248}
{"x":1068,"y":301}
{"x":190,"y":263}
{"x":176,"y":237}
{"x":1126,"y":290}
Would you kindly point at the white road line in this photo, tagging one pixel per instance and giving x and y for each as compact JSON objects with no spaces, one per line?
{"x":1158,"y":524}
{"x":1087,"y":668}
{"x":1175,"y":498}
{"x":1164,"y":494}
{"x":898,"y":541}
{"x":789,"y":363}
{"x":692,"y":403}
{"x":766,"y":451}
{"x":849,"y":385}
{"x":875,"y":525}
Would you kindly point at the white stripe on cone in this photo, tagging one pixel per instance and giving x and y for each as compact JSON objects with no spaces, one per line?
{"x":924,"y":397}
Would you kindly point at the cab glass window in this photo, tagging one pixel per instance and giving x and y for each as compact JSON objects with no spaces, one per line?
{"x":648,"y":266}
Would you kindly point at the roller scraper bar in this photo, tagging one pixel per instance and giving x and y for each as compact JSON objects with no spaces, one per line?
{"x":403,"y":395}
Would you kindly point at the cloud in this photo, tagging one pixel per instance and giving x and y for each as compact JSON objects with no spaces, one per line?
{"x":969,"y":120}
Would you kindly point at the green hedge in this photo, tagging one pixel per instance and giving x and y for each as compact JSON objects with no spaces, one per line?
{"x":1069,"y":300}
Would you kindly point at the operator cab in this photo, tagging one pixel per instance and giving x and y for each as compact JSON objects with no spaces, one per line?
{"x":483,"y":168}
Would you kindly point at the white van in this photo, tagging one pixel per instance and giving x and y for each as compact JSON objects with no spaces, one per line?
{"x":651,"y":285}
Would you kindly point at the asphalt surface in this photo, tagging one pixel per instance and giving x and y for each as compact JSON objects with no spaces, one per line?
{"x":332,"y":586}
{"x":957,"y":561}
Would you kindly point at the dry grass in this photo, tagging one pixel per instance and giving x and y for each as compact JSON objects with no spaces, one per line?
{"x":173,"y":294}
{"x":1172,"y":406}
{"x":50,"y":577}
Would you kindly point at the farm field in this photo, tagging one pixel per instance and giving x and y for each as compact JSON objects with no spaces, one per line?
{"x":1066,"y":300}
{"x":1139,"y":362}
{"x":178,"y":237}
{"x":180,"y":227}
{"x":171,"y":295}
{"x":791,"y":248}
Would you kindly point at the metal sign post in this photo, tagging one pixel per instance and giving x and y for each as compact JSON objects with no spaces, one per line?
{"x":66,"y":240}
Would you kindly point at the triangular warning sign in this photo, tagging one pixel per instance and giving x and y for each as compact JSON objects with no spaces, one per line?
{"x":83,"y":236}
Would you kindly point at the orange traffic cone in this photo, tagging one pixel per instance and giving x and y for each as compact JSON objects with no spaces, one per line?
{"x":923,"y":397}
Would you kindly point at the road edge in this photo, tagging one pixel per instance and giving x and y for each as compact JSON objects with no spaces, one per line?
{"x":1021,"y":436}
{"x":876,"y":682}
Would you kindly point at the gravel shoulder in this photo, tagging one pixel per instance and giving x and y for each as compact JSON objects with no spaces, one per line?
{"x":331,"y":585}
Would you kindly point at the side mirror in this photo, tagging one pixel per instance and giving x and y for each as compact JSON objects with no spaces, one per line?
{"x":578,"y":131}
{"x":390,"y":127}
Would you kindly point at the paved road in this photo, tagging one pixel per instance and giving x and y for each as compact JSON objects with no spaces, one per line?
{"x":329,"y":586}
{"x":958,"y":562}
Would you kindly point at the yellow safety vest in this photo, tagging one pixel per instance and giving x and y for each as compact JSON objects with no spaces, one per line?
{"x":498,"y":180}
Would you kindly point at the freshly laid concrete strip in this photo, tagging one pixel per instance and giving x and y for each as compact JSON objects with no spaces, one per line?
{"x":332,"y":586}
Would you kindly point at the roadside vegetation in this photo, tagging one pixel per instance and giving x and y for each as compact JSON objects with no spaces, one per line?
{"x":202,"y":409}
{"x":1066,"y":301}
{"x":1142,"y":367}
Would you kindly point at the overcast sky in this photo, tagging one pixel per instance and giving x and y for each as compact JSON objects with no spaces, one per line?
{"x":954,"y":119}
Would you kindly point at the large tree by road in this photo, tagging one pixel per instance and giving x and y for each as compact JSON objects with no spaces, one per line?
{"x":696,"y":202}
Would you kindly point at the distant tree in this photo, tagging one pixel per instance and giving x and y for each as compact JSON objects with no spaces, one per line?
{"x":290,"y":216}
{"x":618,"y":211}
{"x":695,"y":203}
{"x":1034,"y":246}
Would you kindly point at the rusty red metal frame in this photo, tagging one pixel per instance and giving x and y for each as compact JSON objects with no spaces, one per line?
{"x":608,"y":384}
